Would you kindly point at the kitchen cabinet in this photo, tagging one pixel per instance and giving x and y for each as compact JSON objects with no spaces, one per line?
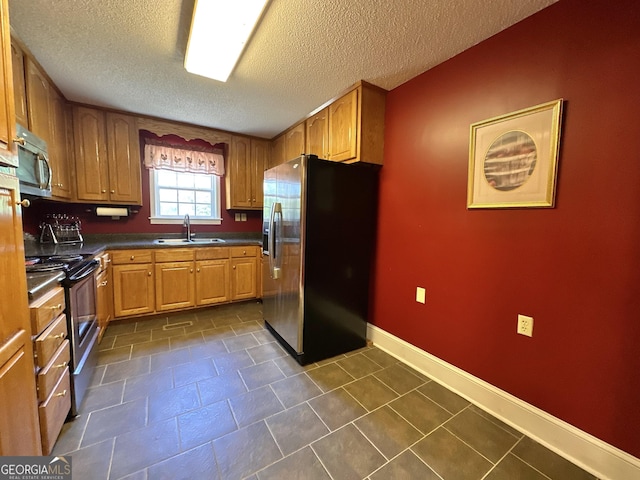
{"x":133,"y":285}
{"x":7,"y":105}
{"x":212,"y":276}
{"x":104,"y":294}
{"x":317,"y":134}
{"x":277,"y":151}
{"x":356,"y":125}
{"x":107,"y":156}
{"x":61,"y":185}
{"x":175,"y":279}
{"x":244,"y":271}
{"x":52,"y":355}
{"x":294,"y":142}
{"x":19,"y":425}
{"x":248,"y":158}
{"x":19,"y":86}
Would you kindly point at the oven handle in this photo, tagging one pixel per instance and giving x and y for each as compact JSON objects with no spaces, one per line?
{"x":87,"y":270}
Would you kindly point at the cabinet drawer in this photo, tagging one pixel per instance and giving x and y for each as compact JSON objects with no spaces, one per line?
{"x":49,"y":341}
{"x":131,"y":256}
{"x":174,"y":255}
{"x":45,"y":309}
{"x":53,"y":412}
{"x":212,"y":253}
{"x":48,"y":377}
{"x":249,"y":251}
{"x":105,"y":260}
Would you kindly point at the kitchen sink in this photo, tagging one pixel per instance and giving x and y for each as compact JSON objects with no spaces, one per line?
{"x":184,"y":241}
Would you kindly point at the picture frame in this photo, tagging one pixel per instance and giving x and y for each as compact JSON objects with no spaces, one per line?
{"x":513,"y":158}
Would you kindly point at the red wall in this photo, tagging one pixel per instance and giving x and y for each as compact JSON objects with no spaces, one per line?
{"x":574,"y":268}
{"x":139,"y":222}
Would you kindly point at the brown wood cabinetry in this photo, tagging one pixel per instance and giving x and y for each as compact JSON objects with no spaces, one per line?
{"x":343,"y":127}
{"x":294,"y":142}
{"x":212,"y":276}
{"x":19,"y":87}
{"x":184,"y":278}
{"x":175,"y":279}
{"x":244,"y":271}
{"x":52,"y":355}
{"x":277,"y":151}
{"x":317,"y":134}
{"x":59,"y":154}
{"x":38,"y":105}
{"x":7,"y":105}
{"x":19,"y":431}
{"x":107,"y":155}
{"x":248,"y":159}
{"x":133,"y":285}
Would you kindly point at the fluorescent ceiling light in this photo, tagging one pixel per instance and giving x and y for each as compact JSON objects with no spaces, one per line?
{"x":220,"y":30}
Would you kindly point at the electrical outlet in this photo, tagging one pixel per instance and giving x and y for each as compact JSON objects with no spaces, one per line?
{"x":243,"y":217}
{"x":237,"y":217}
{"x":420,"y":295}
{"x":525,"y":325}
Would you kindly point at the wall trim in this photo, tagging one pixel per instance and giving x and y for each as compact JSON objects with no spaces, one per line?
{"x":579,"y":447}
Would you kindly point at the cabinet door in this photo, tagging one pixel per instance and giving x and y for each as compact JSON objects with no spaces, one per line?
{"x":244,"y":278}
{"x":277,"y":152}
{"x":58,"y":153}
{"x":212,"y":281}
{"x":19,"y":87}
{"x":317,"y":141}
{"x":90,"y":155}
{"x":38,"y":106}
{"x":19,"y":431}
{"x":175,"y":285}
{"x":259,"y":162}
{"x":7,"y":105}
{"x":343,"y":123}
{"x":123,"y":153}
{"x":239,"y":175}
{"x":294,"y":142}
{"x":133,"y":291}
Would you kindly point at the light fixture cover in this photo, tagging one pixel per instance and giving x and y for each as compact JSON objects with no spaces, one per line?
{"x":220,"y":30}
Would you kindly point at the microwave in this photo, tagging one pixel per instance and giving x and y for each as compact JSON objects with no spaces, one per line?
{"x":34,"y":169}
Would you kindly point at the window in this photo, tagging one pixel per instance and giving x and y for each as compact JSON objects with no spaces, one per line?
{"x":175,"y":194}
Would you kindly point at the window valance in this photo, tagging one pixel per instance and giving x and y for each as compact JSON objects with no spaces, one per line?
{"x":167,"y":157}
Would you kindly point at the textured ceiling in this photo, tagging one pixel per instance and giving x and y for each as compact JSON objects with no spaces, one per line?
{"x":129,"y":54}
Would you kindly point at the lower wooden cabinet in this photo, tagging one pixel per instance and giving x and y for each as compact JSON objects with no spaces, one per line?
{"x":173,"y":279}
{"x":104,"y":295}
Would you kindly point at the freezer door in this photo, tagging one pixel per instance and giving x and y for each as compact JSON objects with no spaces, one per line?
{"x":285,"y":253}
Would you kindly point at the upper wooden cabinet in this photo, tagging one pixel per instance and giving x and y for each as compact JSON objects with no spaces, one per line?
{"x":107,"y":155}
{"x":248,"y":159}
{"x":317,"y":138}
{"x":7,"y":107}
{"x":348,"y":129}
{"x":19,"y":87}
{"x":59,"y":154}
{"x":356,"y":126}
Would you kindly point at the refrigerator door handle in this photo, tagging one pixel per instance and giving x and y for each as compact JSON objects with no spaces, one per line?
{"x":274,"y":258}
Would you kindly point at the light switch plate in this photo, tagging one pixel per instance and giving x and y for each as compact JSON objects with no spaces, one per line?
{"x":421,"y":295}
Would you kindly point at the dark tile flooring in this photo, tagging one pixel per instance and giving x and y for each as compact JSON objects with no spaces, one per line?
{"x":211,"y":395}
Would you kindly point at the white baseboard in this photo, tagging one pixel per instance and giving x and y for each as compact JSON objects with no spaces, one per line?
{"x":588,"y":452}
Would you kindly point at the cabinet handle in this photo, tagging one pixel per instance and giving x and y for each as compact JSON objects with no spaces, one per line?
{"x":61,"y":394}
{"x":19,"y":140}
{"x":191,"y":270}
{"x":24,"y":203}
{"x":198,"y":270}
{"x":244,"y":252}
{"x":60,"y":335}
{"x":132,"y":257}
{"x":234,"y":267}
{"x":148,"y":274}
{"x":103,"y":284}
{"x":56,"y":307}
{"x":62,"y":365}
{"x":103,"y":191}
{"x":113,"y":191}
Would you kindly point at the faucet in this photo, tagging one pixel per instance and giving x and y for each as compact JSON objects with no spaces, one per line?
{"x":187,"y":223}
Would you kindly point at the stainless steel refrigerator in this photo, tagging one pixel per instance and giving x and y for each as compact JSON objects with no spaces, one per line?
{"x":319,"y":230}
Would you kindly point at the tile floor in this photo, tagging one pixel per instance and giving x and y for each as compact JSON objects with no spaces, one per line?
{"x":210,"y":395}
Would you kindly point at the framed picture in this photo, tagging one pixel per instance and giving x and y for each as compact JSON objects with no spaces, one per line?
{"x":513,"y":159}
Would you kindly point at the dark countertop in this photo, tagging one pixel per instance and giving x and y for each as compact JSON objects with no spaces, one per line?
{"x":95,"y":244}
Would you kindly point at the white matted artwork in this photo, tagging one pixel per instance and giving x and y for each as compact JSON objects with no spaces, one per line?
{"x":513,"y":158}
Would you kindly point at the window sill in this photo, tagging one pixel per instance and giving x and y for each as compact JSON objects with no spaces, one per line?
{"x":180,"y":221}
